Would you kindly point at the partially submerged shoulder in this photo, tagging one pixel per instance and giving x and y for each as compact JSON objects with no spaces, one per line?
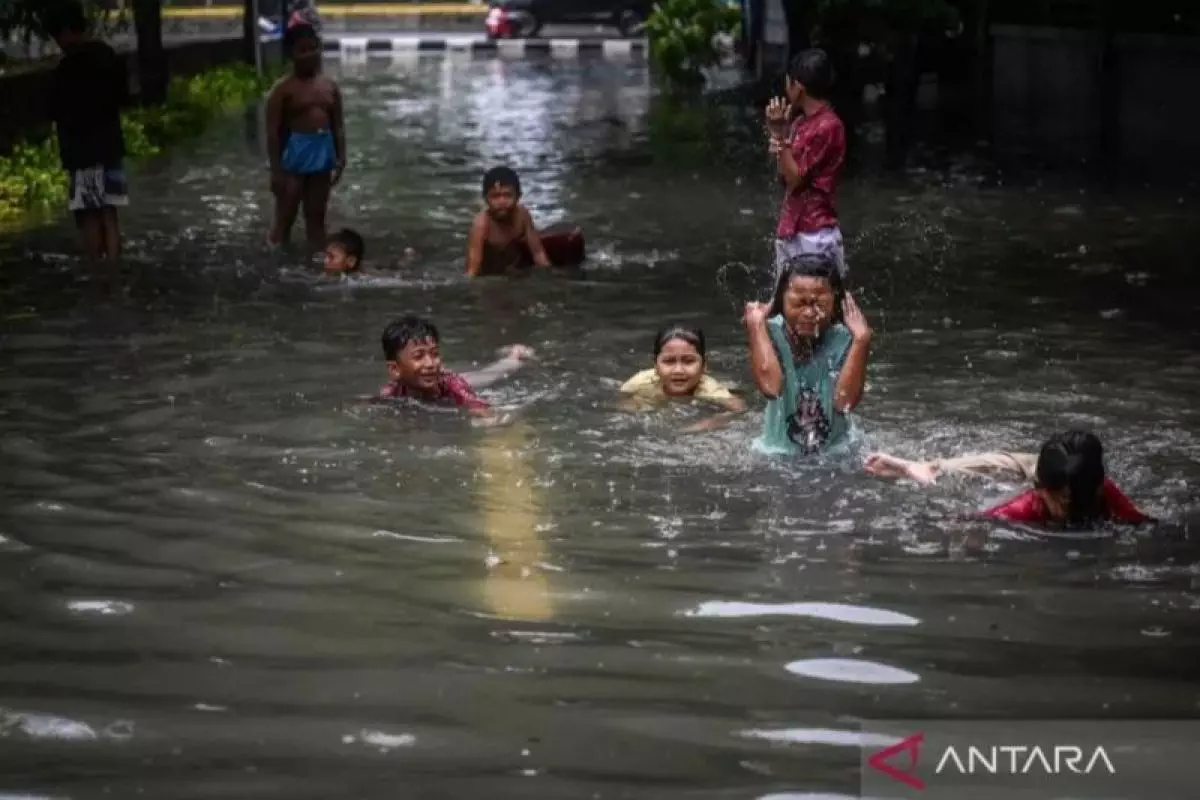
{"x":712,"y":389}
{"x":642,"y":382}
{"x":460,"y":391}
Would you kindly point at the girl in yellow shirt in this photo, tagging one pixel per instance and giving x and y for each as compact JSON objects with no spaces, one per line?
{"x":679,"y":372}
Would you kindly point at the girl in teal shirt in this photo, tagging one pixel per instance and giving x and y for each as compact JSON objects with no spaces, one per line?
{"x":808,"y":352}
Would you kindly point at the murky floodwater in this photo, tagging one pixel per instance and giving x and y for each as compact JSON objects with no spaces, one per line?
{"x":222,"y":577}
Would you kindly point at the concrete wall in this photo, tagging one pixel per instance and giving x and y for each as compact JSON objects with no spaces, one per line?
{"x":772,"y":47}
{"x":1045,"y":91}
{"x":1159,"y":102}
{"x":1048,"y":94}
{"x":25,"y":92}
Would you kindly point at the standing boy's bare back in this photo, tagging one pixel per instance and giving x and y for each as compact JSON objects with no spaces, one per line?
{"x":306,"y":141}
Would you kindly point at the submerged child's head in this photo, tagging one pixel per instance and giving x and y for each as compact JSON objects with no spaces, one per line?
{"x":302,"y":43}
{"x":809,"y":295}
{"x":1070,"y":478}
{"x":809,"y":73}
{"x":344,"y":252}
{"x":501,"y":192}
{"x":679,"y":360}
{"x":410,"y":345}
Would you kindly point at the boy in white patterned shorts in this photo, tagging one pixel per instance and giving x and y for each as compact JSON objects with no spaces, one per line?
{"x":808,"y":141}
{"x":87,"y":90}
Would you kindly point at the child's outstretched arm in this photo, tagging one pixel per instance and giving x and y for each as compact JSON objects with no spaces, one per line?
{"x":734,"y":405}
{"x":513,"y":359}
{"x":884,"y":465}
{"x":853,"y":376}
{"x":733,"y":409}
{"x":475,"y":242}
{"x":534,"y":241}
{"x":764,"y":362}
{"x":1000,"y":464}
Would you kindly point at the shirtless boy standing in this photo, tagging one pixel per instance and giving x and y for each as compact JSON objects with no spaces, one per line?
{"x":306,"y":139}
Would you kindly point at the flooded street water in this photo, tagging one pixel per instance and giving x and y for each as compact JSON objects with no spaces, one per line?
{"x":224,"y":577}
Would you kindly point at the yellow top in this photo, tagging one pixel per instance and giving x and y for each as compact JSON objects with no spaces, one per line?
{"x":646,"y":385}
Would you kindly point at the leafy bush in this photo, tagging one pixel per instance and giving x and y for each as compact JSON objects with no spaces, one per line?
{"x":683,"y":37}
{"x":31,"y":176}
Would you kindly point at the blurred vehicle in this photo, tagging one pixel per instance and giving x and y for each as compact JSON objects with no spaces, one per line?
{"x":517,"y":19}
{"x":303,"y":12}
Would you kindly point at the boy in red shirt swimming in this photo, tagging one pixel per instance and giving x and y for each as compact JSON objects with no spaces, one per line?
{"x":411,"y":346}
{"x":810,"y":153}
{"x":1070,"y":486}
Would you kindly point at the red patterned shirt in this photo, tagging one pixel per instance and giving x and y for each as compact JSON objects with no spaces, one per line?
{"x":1028,"y":508}
{"x":819,"y":147}
{"x":452,"y":389}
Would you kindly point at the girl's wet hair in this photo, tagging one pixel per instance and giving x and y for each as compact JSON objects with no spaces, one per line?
{"x":404,"y":330}
{"x":812,"y":265}
{"x":693,"y":336}
{"x":1074,"y":461}
{"x":501,"y":176}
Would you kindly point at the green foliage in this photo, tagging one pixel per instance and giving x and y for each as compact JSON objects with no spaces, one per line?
{"x":683,"y":37}
{"x":683,"y":132}
{"x":31,"y":176}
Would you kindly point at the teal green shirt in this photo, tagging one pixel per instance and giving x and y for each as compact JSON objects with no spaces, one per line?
{"x":803,"y":420}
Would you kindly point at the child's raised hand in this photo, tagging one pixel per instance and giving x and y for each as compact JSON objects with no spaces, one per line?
{"x":517,"y":352}
{"x":777,"y":117}
{"x":854,"y":319}
{"x":756,"y":314}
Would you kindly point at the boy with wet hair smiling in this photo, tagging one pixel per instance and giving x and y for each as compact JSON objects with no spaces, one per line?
{"x":412,"y":348}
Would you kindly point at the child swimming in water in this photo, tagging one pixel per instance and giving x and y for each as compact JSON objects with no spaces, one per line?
{"x":306,"y":139}
{"x":503,"y":235}
{"x":1069,"y":482}
{"x":344,"y":253}
{"x":411,"y":346}
{"x":808,"y":351}
{"x":503,"y":239}
{"x":680,"y":371}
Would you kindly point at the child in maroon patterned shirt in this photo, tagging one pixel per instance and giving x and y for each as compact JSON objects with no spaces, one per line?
{"x":811,"y":152}
{"x":411,"y":347}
